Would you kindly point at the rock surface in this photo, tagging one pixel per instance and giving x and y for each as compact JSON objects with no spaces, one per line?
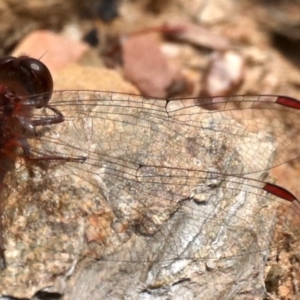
{"x":144,"y":210}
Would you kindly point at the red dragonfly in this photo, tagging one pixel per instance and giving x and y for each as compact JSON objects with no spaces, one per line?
{"x":160,"y":181}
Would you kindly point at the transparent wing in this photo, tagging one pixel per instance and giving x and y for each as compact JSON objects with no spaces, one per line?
{"x":163,"y":183}
{"x":265,"y":116}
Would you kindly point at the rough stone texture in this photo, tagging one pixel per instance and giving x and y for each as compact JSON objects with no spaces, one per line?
{"x":147,"y":214}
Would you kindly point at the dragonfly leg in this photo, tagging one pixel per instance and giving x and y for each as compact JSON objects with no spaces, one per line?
{"x":28,"y":155}
{"x":56,"y":119}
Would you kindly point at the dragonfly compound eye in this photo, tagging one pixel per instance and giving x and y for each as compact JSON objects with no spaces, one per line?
{"x":27,"y":75}
{"x":40,"y":76}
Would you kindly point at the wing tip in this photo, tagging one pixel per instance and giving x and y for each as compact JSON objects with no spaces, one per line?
{"x":279,"y":192}
{"x":288,"y":101}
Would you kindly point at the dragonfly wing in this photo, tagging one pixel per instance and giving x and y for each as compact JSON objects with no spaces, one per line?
{"x":162,"y":187}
